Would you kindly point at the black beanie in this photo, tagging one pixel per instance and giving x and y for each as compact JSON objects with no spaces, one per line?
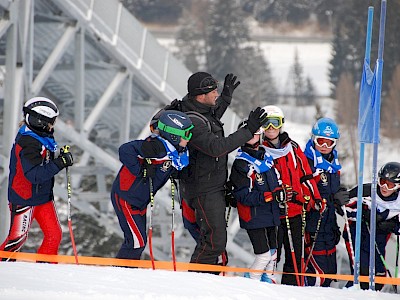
{"x":201,"y":83}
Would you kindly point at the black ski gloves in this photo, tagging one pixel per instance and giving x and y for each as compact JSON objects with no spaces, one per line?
{"x":149,"y":169}
{"x":283,"y":194}
{"x":366,"y":215}
{"x":65,"y":158}
{"x":387,"y":226}
{"x":256,"y":119}
{"x":229,"y":198}
{"x":342,"y":197}
{"x":229,"y":85}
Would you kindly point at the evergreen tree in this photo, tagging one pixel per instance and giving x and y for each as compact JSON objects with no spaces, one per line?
{"x":309,"y":95}
{"x":349,"y":41}
{"x":297,"y":78}
{"x":156,"y":11}
{"x":189,"y":40}
{"x":219,"y":45}
{"x":391,"y":107}
{"x":225,"y":35}
{"x":302,"y":89}
{"x":257,"y":87}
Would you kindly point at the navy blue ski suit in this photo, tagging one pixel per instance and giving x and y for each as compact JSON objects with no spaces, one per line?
{"x":387,"y":222}
{"x":323,"y":259}
{"x":130,"y":193}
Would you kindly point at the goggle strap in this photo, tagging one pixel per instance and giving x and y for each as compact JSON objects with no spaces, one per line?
{"x":183,"y":133}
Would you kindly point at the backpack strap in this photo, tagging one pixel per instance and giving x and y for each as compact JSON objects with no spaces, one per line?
{"x":197,"y":115}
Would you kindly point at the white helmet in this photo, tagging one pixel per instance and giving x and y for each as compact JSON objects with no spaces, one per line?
{"x":275,"y":112}
{"x":39,"y":112}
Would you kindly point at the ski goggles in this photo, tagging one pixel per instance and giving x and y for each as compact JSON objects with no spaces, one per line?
{"x":274,"y":122}
{"x":186,"y":134}
{"x":391,"y":186}
{"x":208,"y":85}
{"x":325,"y":142}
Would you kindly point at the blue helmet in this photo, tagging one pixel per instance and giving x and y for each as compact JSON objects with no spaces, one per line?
{"x":327,"y":128}
{"x":174,"y":125}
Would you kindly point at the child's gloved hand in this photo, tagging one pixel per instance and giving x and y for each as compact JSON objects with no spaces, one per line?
{"x":149,"y":169}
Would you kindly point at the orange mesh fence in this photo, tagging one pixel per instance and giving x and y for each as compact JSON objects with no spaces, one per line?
{"x":168,"y":265}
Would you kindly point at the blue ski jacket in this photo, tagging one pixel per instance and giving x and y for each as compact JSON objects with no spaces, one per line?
{"x":130,"y":184}
{"x":250,"y":189}
{"x":32,"y":171}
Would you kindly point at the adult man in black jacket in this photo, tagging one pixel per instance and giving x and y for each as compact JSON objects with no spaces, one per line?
{"x":203,"y":181}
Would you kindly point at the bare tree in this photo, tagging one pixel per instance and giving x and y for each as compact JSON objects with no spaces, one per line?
{"x":347,"y":111}
{"x":391,"y":107}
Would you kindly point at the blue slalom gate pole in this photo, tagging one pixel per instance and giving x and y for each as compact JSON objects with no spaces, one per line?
{"x":377,"y":111}
{"x":361,"y":164}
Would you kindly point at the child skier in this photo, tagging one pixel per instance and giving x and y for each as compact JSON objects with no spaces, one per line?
{"x":387,"y":219}
{"x":322,"y":231}
{"x":258,"y":191}
{"x":295,"y":172}
{"x":32,"y":169}
{"x":145,"y":164}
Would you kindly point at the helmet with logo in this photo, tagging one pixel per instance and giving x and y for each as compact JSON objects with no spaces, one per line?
{"x":327,"y":128}
{"x":390,"y":172}
{"x":39,"y":112}
{"x":174,"y":125}
{"x":275,"y":117}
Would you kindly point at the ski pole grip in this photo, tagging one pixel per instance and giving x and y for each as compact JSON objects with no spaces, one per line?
{"x":65,"y":149}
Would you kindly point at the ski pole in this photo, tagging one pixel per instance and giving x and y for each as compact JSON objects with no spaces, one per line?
{"x":151,"y":216}
{"x":173,"y":224}
{"x":396,"y":270}
{"x":303,"y":229}
{"x":346,"y":220}
{"x":315,"y":238}
{"x":65,"y":149}
{"x":383,"y":260}
{"x":296,"y":270}
{"x":228,"y":215}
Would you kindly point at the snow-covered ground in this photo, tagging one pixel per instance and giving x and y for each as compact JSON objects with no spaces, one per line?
{"x":20,"y":280}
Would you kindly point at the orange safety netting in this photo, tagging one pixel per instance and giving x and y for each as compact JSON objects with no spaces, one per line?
{"x":168,"y":265}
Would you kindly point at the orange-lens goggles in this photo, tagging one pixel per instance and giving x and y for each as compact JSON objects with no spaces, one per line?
{"x":389,"y":185}
{"x":325,"y":142}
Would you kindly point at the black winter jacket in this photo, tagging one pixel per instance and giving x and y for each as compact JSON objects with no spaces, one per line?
{"x":209,"y":149}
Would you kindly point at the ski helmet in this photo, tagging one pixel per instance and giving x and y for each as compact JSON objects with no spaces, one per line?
{"x":390,"y":172}
{"x":275,"y":117}
{"x":39,"y":112}
{"x":174,"y":125}
{"x":326,"y":128}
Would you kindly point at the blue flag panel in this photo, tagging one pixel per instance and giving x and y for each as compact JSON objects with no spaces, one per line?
{"x":370,"y":104}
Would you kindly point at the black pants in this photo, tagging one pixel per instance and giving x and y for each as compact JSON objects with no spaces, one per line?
{"x":210,"y":215}
{"x":263,"y":239}
{"x":283,"y":239}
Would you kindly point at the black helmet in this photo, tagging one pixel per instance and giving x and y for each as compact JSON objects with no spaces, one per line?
{"x":174,"y":125}
{"x":391,"y":172}
{"x":39,"y":112}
